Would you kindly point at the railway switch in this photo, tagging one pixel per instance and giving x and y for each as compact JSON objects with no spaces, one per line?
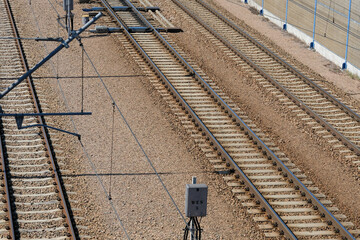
{"x":196,"y":200}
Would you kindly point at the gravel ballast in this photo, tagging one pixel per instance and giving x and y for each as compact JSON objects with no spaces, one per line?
{"x":137,"y":195}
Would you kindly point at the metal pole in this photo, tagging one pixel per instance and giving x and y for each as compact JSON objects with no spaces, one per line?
{"x":286,"y":15}
{"x":69,"y":18}
{"x":344,"y":66}
{"x":73,"y":36}
{"x":193,"y":180}
{"x":192,"y":225}
{"x":262,"y":8}
{"x":312,"y":44}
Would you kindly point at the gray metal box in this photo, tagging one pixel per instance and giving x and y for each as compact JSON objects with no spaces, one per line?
{"x":67,"y":4}
{"x":196,"y":200}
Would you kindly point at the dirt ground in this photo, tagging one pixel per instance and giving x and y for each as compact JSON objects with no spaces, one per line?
{"x":137,"y":195}
{"x":142,"y":204}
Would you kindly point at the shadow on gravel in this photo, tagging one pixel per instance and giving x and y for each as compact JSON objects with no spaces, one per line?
{"x":62,"y":77}
{"x":133,"y":174}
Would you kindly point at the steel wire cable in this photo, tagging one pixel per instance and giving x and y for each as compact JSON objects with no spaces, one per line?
{"x":132,"y":132}
{"x":135,"y":138}
{"x":92,"y":165}
{"x":112,"y":146}
{"x":309,"y":30}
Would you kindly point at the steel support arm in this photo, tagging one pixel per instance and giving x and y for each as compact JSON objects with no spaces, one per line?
{"x":65,"y":44}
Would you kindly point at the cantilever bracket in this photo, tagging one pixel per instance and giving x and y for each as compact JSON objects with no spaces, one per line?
{"x":74,"y":35}
{"x":19,"y":118}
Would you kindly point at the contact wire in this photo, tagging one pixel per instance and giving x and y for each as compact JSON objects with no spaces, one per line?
{"x":136,"y":139}
{"x":92,"y":165}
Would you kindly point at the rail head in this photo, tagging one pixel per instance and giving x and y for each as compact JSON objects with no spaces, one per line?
{"x":286,"y":172}
{"x":211,"y":138}
{"x":50,"y":153}
{"x":287,"y":65}
{"x":353,"y":147}
{"x":206,"y":132}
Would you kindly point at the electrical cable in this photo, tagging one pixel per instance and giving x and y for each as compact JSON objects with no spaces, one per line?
{"x":82,"y":77}
{"x":193,"y":225}
{"x":135,"y":138}
{"x":186,"y":229}
{"x":333,"y":11}
{"x":327,"y":22}
{"x":127,"y":124}
{"x":112,"y":146}
{"x":198,"y":228}
{"x":306,"y":31}
{"x":36,"y":39}
{"x":196,"y":232}
{"x":57,"y":55}
{"x":92,"y":165}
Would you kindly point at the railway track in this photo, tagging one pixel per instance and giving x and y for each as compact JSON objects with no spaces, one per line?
{"x":267,"y":183}
{"x":34,"y":204}
{"x":336,"y":122}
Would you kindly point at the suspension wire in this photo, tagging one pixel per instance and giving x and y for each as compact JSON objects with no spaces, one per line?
{"x":136,"y":139}
{"x":91,"y":163}
{"x":127,"y":124}
{"x":82,"y":77}
{"x":334,"y":12}
{"x":57,"y":55}
{"x":19,"y":38}
{"x":112,"y":146}
{"x":327,"y":22}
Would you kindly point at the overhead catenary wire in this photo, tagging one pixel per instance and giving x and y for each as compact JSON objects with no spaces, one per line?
{"x":307,"y":31}
{"x":28,"y":38}
{"x":91,"y":163}
{"x":328,"y":17}
{"x":193,"y":223}
{"x":112,"y":147}
{"x":135,"y":138}
{"x":82,"y":77}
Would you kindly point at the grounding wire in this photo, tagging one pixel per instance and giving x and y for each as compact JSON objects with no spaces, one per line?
{"x":328,"y":17}
{"x":112,"y":146}
{"x":92,"y":165}
{"x":136,"y":139}
{"x":82,"y":77}
{"x":307,"y":30}
{"x":316,"y":33}
{"x":22,"y":38}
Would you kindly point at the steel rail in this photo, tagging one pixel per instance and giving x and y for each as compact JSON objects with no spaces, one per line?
{"x":328,"y":215}
{"x":201,"y":126}
{"x":5,"y":172}
{"x":6,"y":179}
{"x":7,"y":192}
{"x":49,"y":151}
{"x":236,"y":119}
{"x":353,"y":147}
{"x":296,"y":72}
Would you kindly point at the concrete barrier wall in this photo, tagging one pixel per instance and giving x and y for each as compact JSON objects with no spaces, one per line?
{"x":330,"y":27}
